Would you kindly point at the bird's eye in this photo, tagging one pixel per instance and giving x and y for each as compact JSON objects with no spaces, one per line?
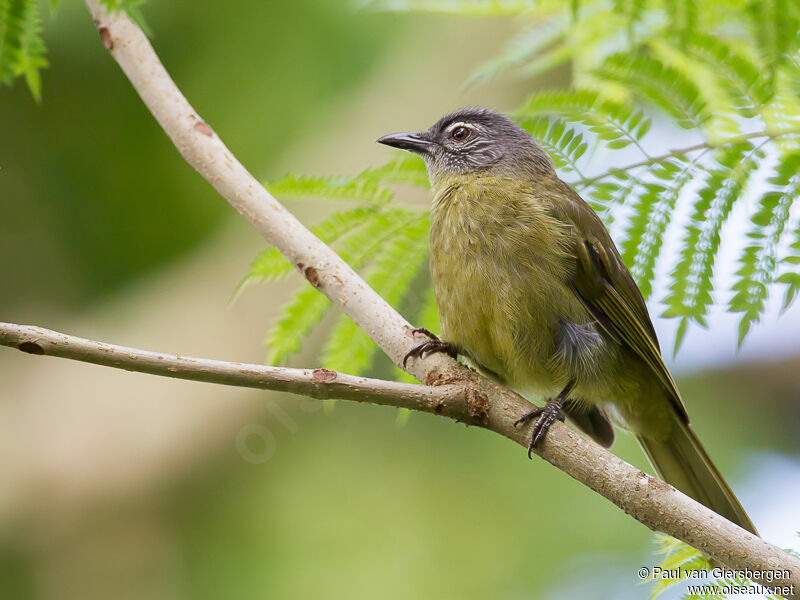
{"x":461,"y":133}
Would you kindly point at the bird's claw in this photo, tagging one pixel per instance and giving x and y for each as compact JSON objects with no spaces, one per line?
{"x":432,"y":344}
{"x":547,"y":415}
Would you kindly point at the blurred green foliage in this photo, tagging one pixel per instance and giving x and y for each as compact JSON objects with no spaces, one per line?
{"x":91,"y":194}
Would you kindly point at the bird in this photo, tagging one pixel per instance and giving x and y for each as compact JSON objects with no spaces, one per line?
{"x":531,"y":291}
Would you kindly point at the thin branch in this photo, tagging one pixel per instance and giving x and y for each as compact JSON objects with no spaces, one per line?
{"x":315,"y":383}
{"x":487,"y":404}
{"x":705,"y":146}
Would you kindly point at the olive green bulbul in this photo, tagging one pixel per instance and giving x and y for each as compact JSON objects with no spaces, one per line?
{"x":532,"y":291}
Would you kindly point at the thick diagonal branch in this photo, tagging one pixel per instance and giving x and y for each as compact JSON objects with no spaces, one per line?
{"x":651,"y":501}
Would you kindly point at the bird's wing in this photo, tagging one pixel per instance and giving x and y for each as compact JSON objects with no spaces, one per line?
{"x":605,"y":287}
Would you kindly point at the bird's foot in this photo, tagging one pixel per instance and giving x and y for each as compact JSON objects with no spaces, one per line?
{"x":547,"y":415}
{"x":432,"y":344}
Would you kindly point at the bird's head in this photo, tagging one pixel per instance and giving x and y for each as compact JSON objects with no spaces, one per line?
{"x":473,"y":140}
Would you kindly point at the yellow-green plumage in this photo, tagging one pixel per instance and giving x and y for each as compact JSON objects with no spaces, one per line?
{"x":531,"y":289}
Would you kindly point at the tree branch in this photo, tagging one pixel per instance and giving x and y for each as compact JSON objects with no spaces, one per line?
{"x":654,"y":503}
{"x":705,"y":145}
{"x":315,"y":383}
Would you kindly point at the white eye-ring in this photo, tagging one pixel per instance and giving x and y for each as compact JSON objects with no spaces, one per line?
{"x":459,"y":131}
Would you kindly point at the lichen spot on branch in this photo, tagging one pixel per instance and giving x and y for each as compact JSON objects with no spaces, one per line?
{"x":323,"y":375}
{"x":105,"y":37}
{"x":312,"y":275}
{"x":204,"y":128}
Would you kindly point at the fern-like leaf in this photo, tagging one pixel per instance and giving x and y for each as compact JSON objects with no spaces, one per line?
{"x":563,"y":143}
{"x":271,"y":264}
{"x":791,"y":278}
{"x":742,"y":77}
{"x":775,"y":27}
{"x":470,"y":8}
{"x":428,"y":316}
{"x":367,"y":186}
{"x":402,"y":168}
{"x":616,"y":124}
{"x":523,"y":48}
{"x":133,"y":8}
{"x":632,"y":10}
{"x":690,"y":291}
{"x":22,"y":51}
{"x":758,"y":262}
{"x":658,"y":83}
{"x":297,"y":318}
{"x":683,"y":18}
{"x":652,"y":213}
{"x":362,"y":189}
{"x":308,"y":307}
{"x":690,"y":564}
{"x":609,"y":190}
{"x":398,"y":262}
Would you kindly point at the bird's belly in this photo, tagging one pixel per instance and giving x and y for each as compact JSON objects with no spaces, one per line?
{"x":510,"y":322}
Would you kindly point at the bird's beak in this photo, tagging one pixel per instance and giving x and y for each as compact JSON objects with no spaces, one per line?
{"x":413,"y":142}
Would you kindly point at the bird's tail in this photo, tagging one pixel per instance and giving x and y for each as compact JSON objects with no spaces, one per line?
{"x":682,"y":461}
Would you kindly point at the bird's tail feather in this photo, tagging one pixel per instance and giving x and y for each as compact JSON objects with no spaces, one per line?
{"x":682,"y":461}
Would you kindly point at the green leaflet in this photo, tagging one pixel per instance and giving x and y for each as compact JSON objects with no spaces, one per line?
{"x":640,"y":235}
{"x":523,"y":48}
{"x":607,"y":191}
{"x":427,"y":317}
{"x":309,"y":306}
{"x":774,"y":24}
{"x":22,"y":51}
{"x":632,"y":9}
{"x":615,"y":123}
{"x":743,"y":78}
{"x":271,"y":264}
{"x":367,"y":186}
{"x":677,"y":556}
{"x":662,"y":85}
{"x":358,"y":188}
{"x":131,"y":7}
{"x":686,"y":560}
{"x":125,"y":5}
{"x":690,"y":291}
{"x":563,"y":144}
{"x":22,"y":48}
{"x":713,"y":90}
{"x":758,"y":261}
{"x":397,"y":263}
{"x":652,"y":214}
{"x":682,"y":18}
{"x":473,"y":8}
{"x":404,"y":167}
{"x":286,"y":337}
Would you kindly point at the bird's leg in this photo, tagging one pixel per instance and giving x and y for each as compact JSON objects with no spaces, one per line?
{"x":432,"y":344}
{"x":548,"y":414}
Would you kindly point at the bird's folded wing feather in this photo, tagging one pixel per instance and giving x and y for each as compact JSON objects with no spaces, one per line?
{"x":607,"y":290}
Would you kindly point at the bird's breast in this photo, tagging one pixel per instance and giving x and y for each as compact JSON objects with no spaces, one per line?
{"x":501,"y":287}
